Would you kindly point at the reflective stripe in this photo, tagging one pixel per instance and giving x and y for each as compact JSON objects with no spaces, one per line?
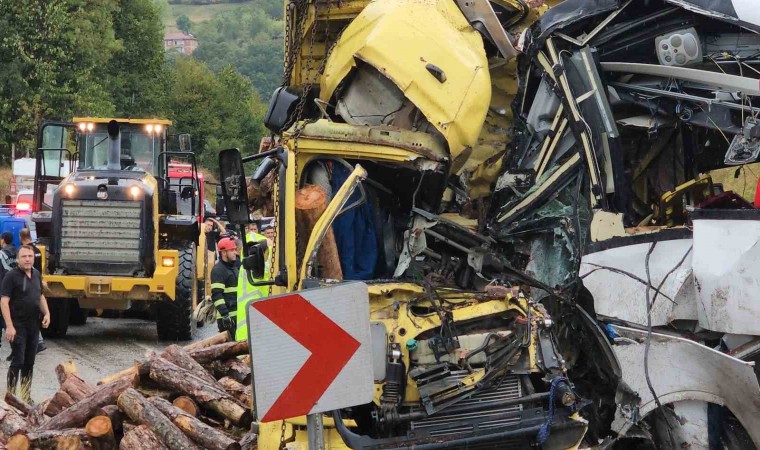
{"x":218,"y":286}
{"x":219,"y":302}
{"x":230,"y":290}
{"x":233,"y":313}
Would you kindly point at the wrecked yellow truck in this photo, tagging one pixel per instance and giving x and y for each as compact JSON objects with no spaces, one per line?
{"x":523,"y":190}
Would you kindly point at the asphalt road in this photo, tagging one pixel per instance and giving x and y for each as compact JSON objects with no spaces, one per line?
{"x":99,"y":348}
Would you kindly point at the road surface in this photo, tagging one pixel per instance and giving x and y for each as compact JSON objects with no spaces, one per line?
{"x":99,"y":348}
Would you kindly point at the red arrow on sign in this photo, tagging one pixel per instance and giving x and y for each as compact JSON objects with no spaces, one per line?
{"x":330,"y":346}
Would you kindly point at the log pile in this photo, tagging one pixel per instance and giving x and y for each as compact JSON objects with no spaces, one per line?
{"x":193,"y":397}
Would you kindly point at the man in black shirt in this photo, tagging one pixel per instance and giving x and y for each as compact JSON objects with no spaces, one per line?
{"x":214,"y":230}
{"x":25,"y":236}
{"x":22,"y":304}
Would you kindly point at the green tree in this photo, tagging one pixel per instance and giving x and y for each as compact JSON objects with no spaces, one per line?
{"x":183,"y":24}
{"x":50,"y":53}
{"x":249,"y":40}
{"x":163,"y":8}
{"x":219,"y":111}
{"x":136,"y":73}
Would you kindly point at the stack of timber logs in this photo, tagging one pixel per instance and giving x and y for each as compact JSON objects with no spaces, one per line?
{"x":184,"y":398}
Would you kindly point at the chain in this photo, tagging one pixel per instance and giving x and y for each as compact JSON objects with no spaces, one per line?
{"x":282,"y":436}
{"x":275,"y":226}
{"x":296,"y":12}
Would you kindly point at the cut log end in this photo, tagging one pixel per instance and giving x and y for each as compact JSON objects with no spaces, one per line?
{"x":99,"y":426}
{"x":311,"y":197}
{"x":186,"y":404}
{"x":18,"y":442}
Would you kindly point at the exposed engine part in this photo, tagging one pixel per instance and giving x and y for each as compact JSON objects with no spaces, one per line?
{"x":680,"y":48}
{"x":395,"y":378}
{"x":491,"y":403}
{"x":424,"y":355}
{"x":745,"y":147}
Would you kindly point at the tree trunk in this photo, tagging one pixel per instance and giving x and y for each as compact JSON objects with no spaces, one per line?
{"x":58,"y":403}
{"x":149,"y":391}
{"x":100,"y":431}
{"x":128,"y":425}
{"x":311,"y":202}
{"x":233,"y":368}
{"x":244,"y":393}
{"x":144,"y":413}
{"x":220,"y":338}
{"x":140,"y":438}
{"x":186,"y":404}
{"x":63,"y":370}
{"x":205,"y":435}
{"x":70,"y":438}
{"x":80,"y":412}
{"x":249,"y":441}
{"x":114,"y":414}
{"x":77,"y":388}
{"x":33,"y":414}
{"x":38,"y":415}
{"x":143,"y":368}
{"x":70,"y":443}
{"x":24,"y":407}
{"x":212,"y":396}
{"x":10,"y":422}
{"x":220,"y":352}
{"x":181,"y":358}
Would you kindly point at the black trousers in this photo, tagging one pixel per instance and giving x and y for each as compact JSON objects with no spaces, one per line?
{"x":23,"y":353}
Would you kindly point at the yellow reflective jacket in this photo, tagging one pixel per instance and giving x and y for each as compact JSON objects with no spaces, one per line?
{"x":247,"y":293}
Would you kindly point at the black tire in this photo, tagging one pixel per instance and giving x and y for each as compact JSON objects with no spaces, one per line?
{"x":175,"y":318}
{"x":60,"y":309}
{"x":77,"y":316}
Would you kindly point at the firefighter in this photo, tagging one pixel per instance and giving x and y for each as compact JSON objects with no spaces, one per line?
{"x":224,"y":282}
{"x":246,"y":292}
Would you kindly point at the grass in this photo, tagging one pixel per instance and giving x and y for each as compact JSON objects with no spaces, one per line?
{"x":198,"y":13}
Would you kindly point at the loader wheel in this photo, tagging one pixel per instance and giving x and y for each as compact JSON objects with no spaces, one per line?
{"x":174,"y":322}
{"x":77,"y":316}
{"x":60,"y":309}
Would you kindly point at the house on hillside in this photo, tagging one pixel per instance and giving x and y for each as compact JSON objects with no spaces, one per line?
{"x":183,"y":43}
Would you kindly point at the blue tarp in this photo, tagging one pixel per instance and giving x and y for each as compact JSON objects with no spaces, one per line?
{"x":355,"y":233}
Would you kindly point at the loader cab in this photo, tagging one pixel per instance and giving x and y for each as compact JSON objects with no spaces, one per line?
{"x":140,"y":145}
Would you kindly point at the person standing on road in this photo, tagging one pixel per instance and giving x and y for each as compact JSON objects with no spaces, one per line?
{"x":224,"y":279}
{"x":7,"y":261}
{"x":22,"y":303}
{"x":25,"y":236}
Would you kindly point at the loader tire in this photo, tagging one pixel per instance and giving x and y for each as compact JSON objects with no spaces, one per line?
{"x":174,"y":321}
{"x":78,"y":316}
{"x":60,"y":309}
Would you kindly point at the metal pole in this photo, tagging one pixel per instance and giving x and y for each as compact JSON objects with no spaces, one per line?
{"x":314,"y":429}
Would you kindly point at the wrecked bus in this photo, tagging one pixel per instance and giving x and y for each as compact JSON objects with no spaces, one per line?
{"x":524,"y":190}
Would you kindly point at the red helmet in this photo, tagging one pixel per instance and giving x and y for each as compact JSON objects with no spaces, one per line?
{"x":226,"y":244}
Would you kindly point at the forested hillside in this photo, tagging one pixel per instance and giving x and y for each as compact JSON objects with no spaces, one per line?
{"x":106,"y":58}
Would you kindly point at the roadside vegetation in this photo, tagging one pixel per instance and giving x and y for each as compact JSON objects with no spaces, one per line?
{"x":106,"y":58}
